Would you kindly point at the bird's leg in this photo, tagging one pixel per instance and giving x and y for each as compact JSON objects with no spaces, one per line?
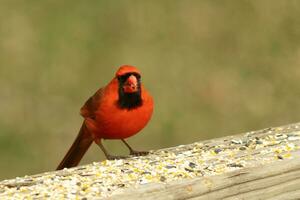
{"x":134,"y":152}
{"x":107,"y":155}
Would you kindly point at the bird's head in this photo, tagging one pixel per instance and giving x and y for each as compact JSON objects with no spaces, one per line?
{"x":129,"y":79}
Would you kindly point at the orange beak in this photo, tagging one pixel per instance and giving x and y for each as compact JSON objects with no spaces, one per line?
{"x":131,"y":84}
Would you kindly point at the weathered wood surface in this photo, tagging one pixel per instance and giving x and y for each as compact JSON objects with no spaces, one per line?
{"x":261,"y":164}
{"x":280,"y":180}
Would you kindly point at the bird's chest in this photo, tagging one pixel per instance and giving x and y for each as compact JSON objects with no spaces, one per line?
{"x":114,"y":122}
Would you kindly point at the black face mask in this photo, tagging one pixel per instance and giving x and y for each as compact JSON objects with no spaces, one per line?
{"x":129,"y":100}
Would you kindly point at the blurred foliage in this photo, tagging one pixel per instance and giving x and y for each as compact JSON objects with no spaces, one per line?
{"x":215,"y":68}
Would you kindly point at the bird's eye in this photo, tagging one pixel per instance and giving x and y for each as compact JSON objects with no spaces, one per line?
{"x":121,"y":78}
{"x":137,"y":76}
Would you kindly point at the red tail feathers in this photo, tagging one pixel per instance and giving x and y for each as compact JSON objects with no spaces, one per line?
{"x":81,"y":144}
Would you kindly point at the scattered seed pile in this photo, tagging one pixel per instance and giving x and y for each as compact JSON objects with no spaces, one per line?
{"x":206,"y":158}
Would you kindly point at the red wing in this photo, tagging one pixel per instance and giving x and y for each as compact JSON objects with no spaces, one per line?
{"x":91,"y":105}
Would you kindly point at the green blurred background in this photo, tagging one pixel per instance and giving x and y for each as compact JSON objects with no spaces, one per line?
{"x":215,"y":68}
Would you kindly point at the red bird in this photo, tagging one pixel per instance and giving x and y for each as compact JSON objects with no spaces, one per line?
{"x":116,"y":111}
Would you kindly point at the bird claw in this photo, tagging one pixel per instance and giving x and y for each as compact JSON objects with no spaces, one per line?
{"x":132,"y":153}
{"x":112,"y":157}
{"x":139,"y":153}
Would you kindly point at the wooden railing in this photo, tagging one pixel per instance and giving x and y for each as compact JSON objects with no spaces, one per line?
{"x":255,"y":165}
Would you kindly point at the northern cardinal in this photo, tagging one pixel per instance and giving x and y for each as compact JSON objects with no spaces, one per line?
{"x":117,"y":111}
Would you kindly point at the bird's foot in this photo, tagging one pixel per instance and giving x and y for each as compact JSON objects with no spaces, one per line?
{"x":112,"y":157}
{"x":139,"y":153}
